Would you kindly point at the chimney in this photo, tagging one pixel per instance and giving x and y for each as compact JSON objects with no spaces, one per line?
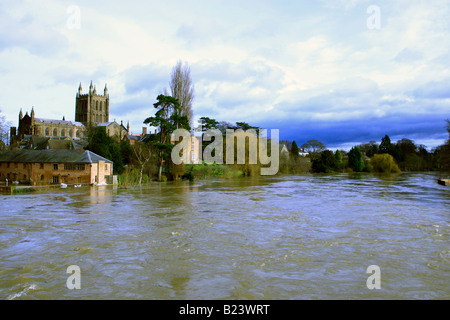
{"x":144,"y":131}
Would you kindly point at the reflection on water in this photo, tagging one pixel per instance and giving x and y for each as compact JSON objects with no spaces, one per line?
{"x":292,"y":237}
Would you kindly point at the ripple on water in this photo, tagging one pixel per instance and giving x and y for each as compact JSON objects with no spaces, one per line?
{"x":271,"y":238}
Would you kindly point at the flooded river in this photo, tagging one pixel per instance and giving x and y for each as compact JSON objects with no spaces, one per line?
{"x":289,"y":237}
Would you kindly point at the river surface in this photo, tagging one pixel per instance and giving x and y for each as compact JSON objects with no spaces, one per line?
{"x":284,"y":237}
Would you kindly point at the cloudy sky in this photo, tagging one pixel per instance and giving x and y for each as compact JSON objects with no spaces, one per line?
{"x":340,"y":71}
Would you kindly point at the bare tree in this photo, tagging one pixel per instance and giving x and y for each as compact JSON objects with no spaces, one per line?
{"x":142,"y":153}
{"x":182,"y":88}
{"x":4,"y":131}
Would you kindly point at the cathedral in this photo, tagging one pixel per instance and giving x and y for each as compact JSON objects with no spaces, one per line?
{"x":90,"y":109}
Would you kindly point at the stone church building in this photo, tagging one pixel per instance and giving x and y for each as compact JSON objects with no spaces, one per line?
{"x":90,"y":109}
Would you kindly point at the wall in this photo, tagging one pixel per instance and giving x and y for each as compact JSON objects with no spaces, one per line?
{"x":43,"y":174}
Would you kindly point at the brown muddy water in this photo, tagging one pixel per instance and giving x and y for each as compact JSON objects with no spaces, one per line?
{"x":290,"y":237}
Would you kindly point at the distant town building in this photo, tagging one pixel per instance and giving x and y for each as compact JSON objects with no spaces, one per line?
{"x":191,"y":157}
{"x":115,"y":130}
{"x":47,"y":167}
{"x":284,"y":152}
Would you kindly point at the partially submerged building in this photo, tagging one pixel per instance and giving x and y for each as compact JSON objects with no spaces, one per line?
{"x":47,"y":167}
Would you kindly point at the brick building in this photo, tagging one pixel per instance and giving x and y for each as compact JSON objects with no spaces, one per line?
{"x":47,"y":167}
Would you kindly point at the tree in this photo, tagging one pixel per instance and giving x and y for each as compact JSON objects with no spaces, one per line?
{"x":444,"y":160}
{"x":142,"y":152}
{"x":404,"y":148}
{"x":339,"y":162}
{"x":103,"y":145}
{"x":386,"y":145}
{"x":182,"y":88}
{"x":223,"y":126}
{"x":294,"y":150}
{"x":168,"y":119}
{"x":369,"y":149}
{"x":384,"y":163}
{"x":4,"y":131}
{"x":355,"y":160}
{"x":245,"y":126}
{"x":313,"y":147}
{"x":208,"y":123}
{"x":326,"y":162}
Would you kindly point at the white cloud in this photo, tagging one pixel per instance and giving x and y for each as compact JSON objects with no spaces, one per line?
{"x":253,"y":61}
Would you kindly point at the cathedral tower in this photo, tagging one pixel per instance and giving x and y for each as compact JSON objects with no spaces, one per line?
{"x":92,"y":108}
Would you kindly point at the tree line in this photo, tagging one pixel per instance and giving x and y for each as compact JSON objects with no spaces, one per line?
{"x":386,"y":157}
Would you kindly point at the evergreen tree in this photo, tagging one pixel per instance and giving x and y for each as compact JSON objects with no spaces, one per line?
{"x":105,"y":146}
{"x":339,"y":162}
{"x":294,"y":150}
{"x":325,"y":163}
{"x":386,"y":145}
{"x":168,"y":118}
{"x":355,"y":160}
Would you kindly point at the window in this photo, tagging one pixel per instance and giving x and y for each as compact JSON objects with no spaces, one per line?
{"x":55,"y":132}
{"x":77,"y":134}
{"x":24,"y":177}
{"x":74,"y":166}
{"x":42,"y":177}
{"x":41,"y":166}
{"x":47,"y":131}
{"x":24,"y":166}
{"x":63,"y":132}
{"x":70,"y":133}
{"x":55,"y":166}
{"x":55,"y":179}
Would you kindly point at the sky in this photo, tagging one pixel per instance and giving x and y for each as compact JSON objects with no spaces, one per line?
{"x":340,"y":71}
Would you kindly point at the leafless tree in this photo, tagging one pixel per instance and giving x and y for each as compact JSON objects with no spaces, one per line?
{"x":143,"y":154}
{"x":4,"y":131}
{"x":182,"y":88}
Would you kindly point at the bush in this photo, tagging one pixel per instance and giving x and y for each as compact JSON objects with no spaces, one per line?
{"x":384,"y":163}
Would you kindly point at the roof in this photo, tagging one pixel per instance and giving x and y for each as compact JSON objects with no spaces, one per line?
{"x":105,"y":124}
{"x":133,"y":137}
{"x":71,"y":123}
{"x":59,"y":156}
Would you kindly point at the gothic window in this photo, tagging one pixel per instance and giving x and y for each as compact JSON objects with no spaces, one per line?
{"x":77,"y":134}
{"x":70,"y":133}
{"x":63,"y":132}
{"x":96,"y":105}
{"x":47,"y":131}
{"x":101,"y":106}
{"x":55,"y":132}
